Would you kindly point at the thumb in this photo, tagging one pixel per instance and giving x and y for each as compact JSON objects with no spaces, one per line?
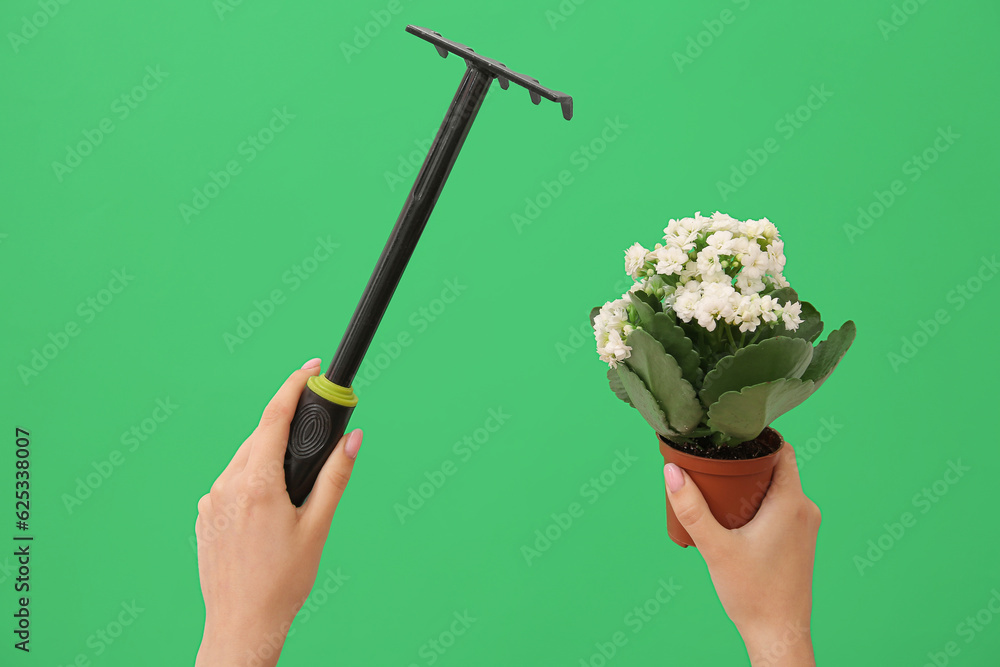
{"x":691,"y":509}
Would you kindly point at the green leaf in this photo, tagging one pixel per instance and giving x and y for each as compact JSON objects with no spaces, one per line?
{"x":784,"y":294}
{"x":617,"y":386}
{"x":677,"y":345}
{"x":648,"y":299}
{"x":642,"y":309}
{"x":644,"y":401}
{"x":662,"y":376}
{"x":829,"y":353}
{"x":742,"y":415}
{"x":771,"y":359}
{"x":594,"y":312}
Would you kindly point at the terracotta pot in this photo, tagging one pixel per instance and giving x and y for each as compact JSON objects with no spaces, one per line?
{"x":734,"y":490}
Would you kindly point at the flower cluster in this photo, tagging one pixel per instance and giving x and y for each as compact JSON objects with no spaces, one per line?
{"x":708,"y":269}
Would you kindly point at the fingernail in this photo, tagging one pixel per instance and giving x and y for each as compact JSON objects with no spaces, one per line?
{"x":312,"y":363}
{"x":353,"y":443}
{"x":675,"y":478}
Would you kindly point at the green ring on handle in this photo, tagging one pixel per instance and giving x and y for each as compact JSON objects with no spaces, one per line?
{"x":332,"y":392}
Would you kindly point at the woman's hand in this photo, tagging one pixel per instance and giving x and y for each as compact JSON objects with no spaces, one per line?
{"x":763,"y":571}
{"x":258,"y":554}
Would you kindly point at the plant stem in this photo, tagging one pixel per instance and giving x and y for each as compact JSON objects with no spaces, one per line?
{"x":729,"y":333}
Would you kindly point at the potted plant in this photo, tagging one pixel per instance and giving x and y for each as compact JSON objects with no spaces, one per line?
{"x":711,"y":344}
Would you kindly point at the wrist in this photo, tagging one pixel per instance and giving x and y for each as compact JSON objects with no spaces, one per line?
{"x":231,"y":643}
{"x":780,"y":643}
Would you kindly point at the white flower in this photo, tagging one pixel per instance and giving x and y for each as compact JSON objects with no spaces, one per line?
{"x":738,"y":245}
{"x":768,"y":307}
{"x":776,"y":257}
{"x":790,"y":315}
{"x":747,"y":284}
{"x":615,"y":350}
{"x":723,"y":223}
{"x":635,"y":259}
{"x":641,"y":285}
{"x":685,"y":302}
{"x":755,"y":262}
{"x":670,"y":260}
{"x":716,"y":277}
{"x":754,"y":229}
{"x":610,"y":324}
{"x":709,"y":262}
{"x":717,"y":290}
{"x":721,"y":241}
{"x":669,"y":294}
{"x":617,"y":311}
{"x":748,"y":313}
{"x":684,"y":232}
{"x":705,"y":319}
{"x":768,"y":231}
{"x":714,"y":304}
{"x":689,"y":273}
{"x":690,"y":286}
{"x":722,"y":282}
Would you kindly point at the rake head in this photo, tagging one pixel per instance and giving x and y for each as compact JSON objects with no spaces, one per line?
{"x":503,"y":74}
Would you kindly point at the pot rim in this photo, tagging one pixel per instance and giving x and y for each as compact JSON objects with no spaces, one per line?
{"x":722,"y":467}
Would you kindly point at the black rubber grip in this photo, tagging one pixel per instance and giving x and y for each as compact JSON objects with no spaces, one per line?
{"x":316,"y":429}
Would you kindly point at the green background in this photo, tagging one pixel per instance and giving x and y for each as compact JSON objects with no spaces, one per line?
{"x":516,"y":338}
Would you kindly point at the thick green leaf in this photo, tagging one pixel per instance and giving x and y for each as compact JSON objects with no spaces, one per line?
{"x":617,"y":386}
{"x":771,"y":359}
{"x":644,"y":401}
{"x":648,"y":299}
{"x":643,"y":309}
{"x":594,"y":312}
{"x":742,"y":415}
{"x":662,"y":376}
{"x":829,"y":353}
{"x":784,"y":294}
{"x":677,"y":345}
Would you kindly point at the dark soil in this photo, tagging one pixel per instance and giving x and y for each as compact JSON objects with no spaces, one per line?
{"x":767,"y":442}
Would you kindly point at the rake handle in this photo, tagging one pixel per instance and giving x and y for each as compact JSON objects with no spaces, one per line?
{"x":410,"y":224}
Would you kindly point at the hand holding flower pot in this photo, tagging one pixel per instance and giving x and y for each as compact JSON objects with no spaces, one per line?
{"x":767,"y":590}
{"x":711,"y":345}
